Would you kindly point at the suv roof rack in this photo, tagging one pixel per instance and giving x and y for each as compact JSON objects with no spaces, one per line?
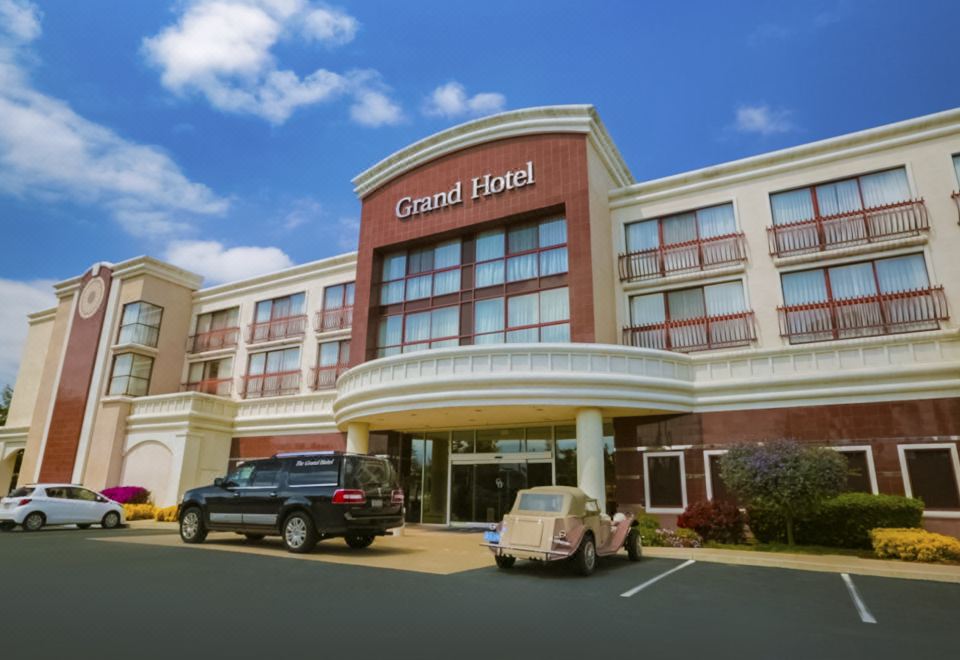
{"x":288,"y":454}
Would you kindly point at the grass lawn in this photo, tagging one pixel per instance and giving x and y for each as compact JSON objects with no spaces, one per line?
{"x":799,"y":549}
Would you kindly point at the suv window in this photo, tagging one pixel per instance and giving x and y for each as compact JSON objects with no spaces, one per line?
{"x":240,"y":478}
{"x":314,"y":471}
{"x":366,"y":473}
{"x":266,"y":473}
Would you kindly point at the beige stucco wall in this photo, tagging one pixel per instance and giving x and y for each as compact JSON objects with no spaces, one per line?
{"x":601,"y":247}
{"x":45,"y":390}
{"x":931,"y":175}
{"x":29,"y":376}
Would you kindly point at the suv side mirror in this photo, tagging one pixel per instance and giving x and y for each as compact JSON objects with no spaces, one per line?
{"x":219,"y":482}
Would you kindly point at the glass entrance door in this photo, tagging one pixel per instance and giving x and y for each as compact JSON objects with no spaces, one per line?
{"x":482,"y":492}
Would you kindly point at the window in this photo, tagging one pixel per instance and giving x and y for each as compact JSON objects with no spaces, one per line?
{"x":337,"y":310}
{"x":716,"y":487}
{"x":273,"y":373}
{"x":712,"y":316}
{"x":338,"y":296}
{"x":81,"y":494}
{"x":421,"y":273}
{"x":131,"y":374}
{"x":211,"y":377}
{"x":930,"y":472}
{"x":956,"y":167}
{"x":532,"y":317}
{"x":279,"y":318}
{"x":266,"y":474}
{"x":332,"y":360}
{"x":216,"y":330}
{"x":314,"y":471}
{"x":664,"y":480}
{"x":828,"y":199}
{"x":240,"y":477}
{"x":140,"y":324}
{"x":861,"y":473}
{"x":861,"y":299}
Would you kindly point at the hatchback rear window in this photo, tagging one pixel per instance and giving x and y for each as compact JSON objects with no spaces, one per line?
{"x":23,"y":491}
{"x":541,"y":502}
{"x":310,"y":471}
{"x":366,"y":473}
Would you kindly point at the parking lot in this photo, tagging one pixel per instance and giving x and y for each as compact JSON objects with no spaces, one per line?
{"x":136,"y":592}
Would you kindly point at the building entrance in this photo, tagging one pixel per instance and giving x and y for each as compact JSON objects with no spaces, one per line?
{"x":483,"y":491}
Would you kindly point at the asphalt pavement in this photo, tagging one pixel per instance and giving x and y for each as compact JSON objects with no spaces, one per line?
{"x":65,"y":595}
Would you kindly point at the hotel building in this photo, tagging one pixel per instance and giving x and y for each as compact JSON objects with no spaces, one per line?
{"x":521,"y":311}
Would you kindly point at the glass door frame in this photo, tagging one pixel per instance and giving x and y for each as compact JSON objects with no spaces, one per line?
{"x":540,"y":457}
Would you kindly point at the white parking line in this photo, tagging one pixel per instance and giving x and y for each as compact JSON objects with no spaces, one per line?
{"x":862,"y":610}
{"x":627,"y":594}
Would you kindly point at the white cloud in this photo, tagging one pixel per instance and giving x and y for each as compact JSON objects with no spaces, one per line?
{"x":223,"y":50}
{"x":218,"y":263}
{"x":49,"y":151}
{"x":763,"y":119}
{"x":451,"y":101}
{"x":302,"y":211}
{"x":19,"y":299}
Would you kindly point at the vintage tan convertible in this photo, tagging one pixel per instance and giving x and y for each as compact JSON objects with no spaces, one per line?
{"x":560,"y":522}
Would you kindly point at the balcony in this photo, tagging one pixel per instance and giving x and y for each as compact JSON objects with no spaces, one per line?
{"x":214,"y":340}
{"x":275,"y":384}
{"x":880,"y":223}
{"x":334,"y":319}
{"x":325,"y":378}
{"x":215,"y":386}
{"x":701,"y":254}
{"x":883,"y":314}
{"x":698,"y":334}
{"x":282,"y":328}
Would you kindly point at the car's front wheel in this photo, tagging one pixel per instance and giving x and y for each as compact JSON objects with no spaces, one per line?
{"x":359,"y":542}
{"x":634,"y":545}
{"x":503,"y":561}
{"x":34,"y":522}
{"x":111,"y":520}
{"x":585,"y":560}
{"x":192,"y":529}
{"x":299,"y":534}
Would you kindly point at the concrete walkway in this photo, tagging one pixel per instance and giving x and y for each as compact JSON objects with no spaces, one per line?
{"x":823,"y":563}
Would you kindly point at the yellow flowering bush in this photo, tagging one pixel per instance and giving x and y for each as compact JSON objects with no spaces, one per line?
{"x":166,"y":514}
{"x":138,"y":511}
{"x":914,"y":545}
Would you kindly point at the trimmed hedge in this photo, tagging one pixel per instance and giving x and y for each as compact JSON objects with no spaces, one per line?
{"x":166,"y":514}
{"x":714,"y":521}
{"x":844,"y":521}
{"x":138,"y":511}
{"x":647,"y":526}
{"x":914,"y":545}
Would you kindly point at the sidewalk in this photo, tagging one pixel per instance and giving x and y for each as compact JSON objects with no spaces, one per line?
{"x":887,"y":568}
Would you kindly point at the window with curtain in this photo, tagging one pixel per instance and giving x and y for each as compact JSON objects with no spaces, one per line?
{"x":210,"y":370}
{"x":894,"y":275}
{"x":705,"y":223}
{"x":140,"y":324}
{"x":274,"y":362}
{"x":130,"y":375}
{"x":838,"y":197}
{"x":685,"y":304}
{"x":219,"y":320}
{"x":280,"y":308}
{"x":956,"y":168}
{"x":338,"y":296}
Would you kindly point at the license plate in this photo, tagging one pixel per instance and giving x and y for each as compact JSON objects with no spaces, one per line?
{"x":491,"y":537}
{"x":376,"y":504}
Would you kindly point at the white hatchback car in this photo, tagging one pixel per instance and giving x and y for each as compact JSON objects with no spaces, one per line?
{"x":32,"y":507}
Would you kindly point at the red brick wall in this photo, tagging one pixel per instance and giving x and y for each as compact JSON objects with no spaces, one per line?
{"x":560,"y":171}
{"x":263,"y":446}
{"x":63,"y":436}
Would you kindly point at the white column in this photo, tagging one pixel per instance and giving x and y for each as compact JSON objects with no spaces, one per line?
{"x":590,"y":477}
{"x":358,"y":438}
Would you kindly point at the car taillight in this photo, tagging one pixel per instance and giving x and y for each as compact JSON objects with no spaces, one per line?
{"x":24,"y":502}
{"x":397,"y":496}
{"x":347,"y":496}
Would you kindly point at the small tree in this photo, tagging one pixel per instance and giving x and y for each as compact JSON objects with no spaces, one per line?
{"x":784,"y":476}
{"x":5,"y":397}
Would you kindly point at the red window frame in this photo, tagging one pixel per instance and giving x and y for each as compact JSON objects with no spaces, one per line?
{"x":325,"y":376}
{"x":330,"y":317}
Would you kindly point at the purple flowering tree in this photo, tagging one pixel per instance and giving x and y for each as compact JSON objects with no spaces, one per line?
{"x":127,"y":494}
{"x":784,"y":476}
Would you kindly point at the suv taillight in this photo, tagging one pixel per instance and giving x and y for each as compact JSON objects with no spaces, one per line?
{"x":347,"y":496}
{"x":24,"y":502}
{"x":396,"y":497}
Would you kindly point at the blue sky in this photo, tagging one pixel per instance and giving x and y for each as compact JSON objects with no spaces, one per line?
{"x":223,"y":134}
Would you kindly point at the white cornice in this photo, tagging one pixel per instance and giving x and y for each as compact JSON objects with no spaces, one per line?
{"x":911,"y":131}
{"x":528,"y":121}
{"x":42,"y":316}
{"x":144,"y":265}
{"x":341,"y":264}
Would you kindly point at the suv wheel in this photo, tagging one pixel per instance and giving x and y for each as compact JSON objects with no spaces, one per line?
{"x":634,"y":545}
{"x":503,"y":561}
{"x":192,"y":529}
{"x":299,"y":534}
{"x":359,"y":542}
{"x":111,"y":520}
{"x":585,"y":559}
{"x":33,"y":522}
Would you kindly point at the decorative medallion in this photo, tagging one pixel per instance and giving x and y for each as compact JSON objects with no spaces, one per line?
{"x":91,"y":297}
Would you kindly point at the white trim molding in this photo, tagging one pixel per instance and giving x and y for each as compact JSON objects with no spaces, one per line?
{"x":871,"y":468}
{"x":648,"y":507}
{"x":905,"y":473}
{"x":707,"y":453}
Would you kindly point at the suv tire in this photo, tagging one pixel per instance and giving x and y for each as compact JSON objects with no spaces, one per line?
{"x":34,"y":522}
{"x":299,"y":533}
{"x":192,"y":527}
{"x":585,"y":559}
{"x":359,"y":542}
{"x":634,"y":545}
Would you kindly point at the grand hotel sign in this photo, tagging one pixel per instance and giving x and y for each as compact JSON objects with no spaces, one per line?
{"x":480,"y":186}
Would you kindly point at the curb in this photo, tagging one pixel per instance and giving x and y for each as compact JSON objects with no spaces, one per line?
{"x":886,"y":568}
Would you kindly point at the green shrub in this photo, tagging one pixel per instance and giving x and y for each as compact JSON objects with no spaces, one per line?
{"x":914,"y":545}
{"x":843,"y":521}
{"x":647,"y":526}
{"x":714,"y":521}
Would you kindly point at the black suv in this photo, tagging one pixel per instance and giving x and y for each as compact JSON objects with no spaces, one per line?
{"x":303,"y":497}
